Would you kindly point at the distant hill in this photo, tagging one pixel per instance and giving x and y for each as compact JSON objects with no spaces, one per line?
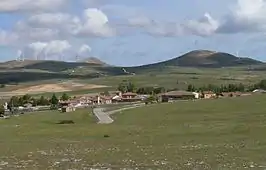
{"x":203,"y":58}
{"x":34,"y":70}
{"x":50,"y":65}
{"x":18,"y":64}
{"x":94,"y":60}
{"x":29,"y":70}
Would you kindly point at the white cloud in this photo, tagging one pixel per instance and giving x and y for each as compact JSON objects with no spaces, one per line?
{"x":30,"y":5}
{"x":47,"y":35}
{"x":204,"y":26}
{"x":28,"y":33}
{"x":246,"y":16}
{"x":48,"y":26}
{"x":64,"y":22}
{"x":84,"y":49}
{"x":7,"y":38}
{"x":57,"y":47}
{"x":46,"y":50}
{"x":95,"y":23}
{"x":50,"y":19}
{"x":34,"y":50}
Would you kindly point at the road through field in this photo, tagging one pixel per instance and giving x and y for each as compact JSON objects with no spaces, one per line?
{"x":104,"y":117}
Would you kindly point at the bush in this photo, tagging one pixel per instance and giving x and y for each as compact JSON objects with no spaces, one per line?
{"x":66,"y":122}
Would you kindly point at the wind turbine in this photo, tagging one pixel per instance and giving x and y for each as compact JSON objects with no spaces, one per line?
{"x":77,"y":58}
{"x":21,"y":56}
{"x":18,"y":55}
{"x":41,"y":55}
{"x":237,"y":55}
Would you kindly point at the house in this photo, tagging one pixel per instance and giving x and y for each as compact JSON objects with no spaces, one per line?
{"x":131,"y":99}
{"x":208,"y":95}
{"x":68,"y":109}
{"x":106,"y":99}
{"x":197,"y":95}
{"x":98,"y":100}
{"x":259,"y":91}
{"x":230,"y":94}
{"x":129,"y":95}
{"x":176,"y":95}
{"x":67,"y":106}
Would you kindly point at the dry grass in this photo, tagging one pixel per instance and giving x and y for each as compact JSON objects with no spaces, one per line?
{"x":206,"y":134}
{"x":66,"y":86}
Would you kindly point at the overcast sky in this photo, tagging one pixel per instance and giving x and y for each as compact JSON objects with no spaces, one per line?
{"x":130,"y":32}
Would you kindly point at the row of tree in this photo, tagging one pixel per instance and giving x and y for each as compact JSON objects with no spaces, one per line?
{"x":229,"y":87}
{"x":42,"y":101}
{"x":217,"y":89}
{"x":128,"y":86}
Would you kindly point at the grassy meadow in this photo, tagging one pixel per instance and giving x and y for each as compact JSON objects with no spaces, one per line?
{"x":168,"y":77}
{"x":204,"y":134}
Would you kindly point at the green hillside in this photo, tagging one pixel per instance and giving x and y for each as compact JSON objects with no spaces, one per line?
{"x":201,"y":59}
{"x":204,"y":134}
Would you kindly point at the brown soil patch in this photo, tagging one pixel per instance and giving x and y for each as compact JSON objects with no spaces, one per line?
{"x":53,"y":88}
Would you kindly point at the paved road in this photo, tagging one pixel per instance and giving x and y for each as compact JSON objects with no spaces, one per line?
{"x":104,"y":117}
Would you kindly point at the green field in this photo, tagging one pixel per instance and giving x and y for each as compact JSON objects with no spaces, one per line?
{"x":176,"y":77}
{"x":204,"y":134}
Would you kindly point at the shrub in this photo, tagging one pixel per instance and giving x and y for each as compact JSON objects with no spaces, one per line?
{"x":66,"y":122}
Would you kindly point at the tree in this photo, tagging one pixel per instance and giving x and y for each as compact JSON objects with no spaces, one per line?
{"x":241,"y":87}
{"x":131,"y":87}
{"x":151,"y":99}
{"x":26,"y":98}
{"x":43,"y":101}
{"x":54,"y":100}
{"x":122,"y":87}
{"x":262,"y":84}
{"x":2,"y":109}
{"x":145,"y":90}
{"x":65,"y":97}
{"x":34,"y":102}
{"x":191,"y":88}
{"x":13,"y":102}
{"x":159,"y":90}
{"x":126,"y":86}
{"x":105,"y":93}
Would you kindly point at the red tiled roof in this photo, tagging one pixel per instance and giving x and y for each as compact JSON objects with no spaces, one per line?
{"x":129,"y":94}
{"x":208,"y":92}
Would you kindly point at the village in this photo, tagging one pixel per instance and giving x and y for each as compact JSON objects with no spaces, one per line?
{"x":70,"y":104}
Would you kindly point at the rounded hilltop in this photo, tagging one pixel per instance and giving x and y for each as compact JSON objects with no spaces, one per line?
{"x":93,"y":60}
{"x":206,"y":58}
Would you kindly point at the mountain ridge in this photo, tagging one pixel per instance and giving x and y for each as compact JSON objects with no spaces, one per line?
{"x":205,"y":58}
{"x":196,"y":58}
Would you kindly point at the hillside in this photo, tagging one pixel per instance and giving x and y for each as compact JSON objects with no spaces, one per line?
{"x":33,"y":70}
{"x":204,"y":58}
{"x":94,"y":60}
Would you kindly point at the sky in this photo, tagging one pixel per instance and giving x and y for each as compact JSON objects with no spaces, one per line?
{"x":126,"y":32}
